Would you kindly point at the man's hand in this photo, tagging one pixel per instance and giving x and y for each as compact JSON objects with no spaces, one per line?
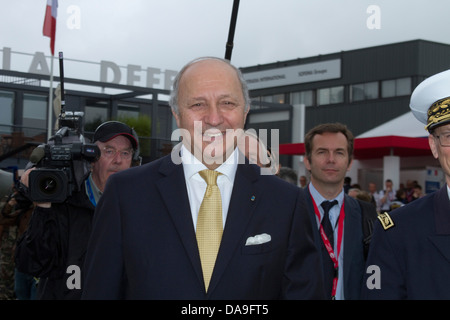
{"x":24,"y":180}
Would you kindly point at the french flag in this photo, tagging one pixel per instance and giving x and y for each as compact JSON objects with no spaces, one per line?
{"x":49,"y":29}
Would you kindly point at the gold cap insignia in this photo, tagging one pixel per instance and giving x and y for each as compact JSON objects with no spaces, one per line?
{"x":385,"y":220}
{"x":438,"y":113}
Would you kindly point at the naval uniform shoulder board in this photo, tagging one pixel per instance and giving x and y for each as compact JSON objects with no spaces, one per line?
{"x":385,"y":220}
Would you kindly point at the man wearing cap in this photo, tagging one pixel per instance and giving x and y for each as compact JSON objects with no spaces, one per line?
{"x":54,"y":245}
{"x":409,"y":257}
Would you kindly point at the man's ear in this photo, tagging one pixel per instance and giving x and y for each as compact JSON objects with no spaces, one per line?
{"x":177,"y":117}
{"x":350,"y":165}
{"x":307,"y":164}
{"x":433,"y":146}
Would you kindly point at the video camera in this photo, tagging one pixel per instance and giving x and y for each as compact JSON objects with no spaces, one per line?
{"x":64,"y":162}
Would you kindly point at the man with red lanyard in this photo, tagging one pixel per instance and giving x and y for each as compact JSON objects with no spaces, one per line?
{"x":329,"y":156}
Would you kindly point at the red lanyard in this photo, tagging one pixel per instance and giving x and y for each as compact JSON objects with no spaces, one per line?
{"x":330,"y":250}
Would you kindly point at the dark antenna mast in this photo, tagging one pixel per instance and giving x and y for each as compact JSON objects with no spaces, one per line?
{"x":70,"y":119}
{"x":229,"y":46}
{"x":61,"y":79}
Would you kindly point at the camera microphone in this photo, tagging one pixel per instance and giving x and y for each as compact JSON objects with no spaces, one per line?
{"x":37,"y":155}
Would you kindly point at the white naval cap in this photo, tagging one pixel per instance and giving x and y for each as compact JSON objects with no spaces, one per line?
{"x":430,"y":100}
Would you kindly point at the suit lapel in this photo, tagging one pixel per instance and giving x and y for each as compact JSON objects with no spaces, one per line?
{"x":441,"y":205}
{"x":244,"y":199}
{"x":312,"y":215}
{"x":173,"y":192}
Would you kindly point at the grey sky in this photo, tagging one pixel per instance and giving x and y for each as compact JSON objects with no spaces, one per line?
{"x":166,"y":34}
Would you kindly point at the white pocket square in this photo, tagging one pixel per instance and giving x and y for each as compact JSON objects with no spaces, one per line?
{"x":258,"y":239}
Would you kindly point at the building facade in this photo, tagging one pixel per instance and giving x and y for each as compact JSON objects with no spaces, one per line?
{"x":361,"y":88}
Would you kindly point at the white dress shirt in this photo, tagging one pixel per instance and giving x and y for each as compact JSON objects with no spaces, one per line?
{"x":389,"y":199}
{"x":196,"y":185}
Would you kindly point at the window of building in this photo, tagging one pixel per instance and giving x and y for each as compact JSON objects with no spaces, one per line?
{"x":275,"y":98}
{"x":7,"y":111}
{"x":403,"y":87}
{"x":330,"y":95}
{"x":127,"y":111}
{"x":303,"y":97}
{"x":94,"y":116}
{"x":364,"y":91}
{"x":388,"y":88}
{"x":35,"y":109}
{"x":396,"y":87}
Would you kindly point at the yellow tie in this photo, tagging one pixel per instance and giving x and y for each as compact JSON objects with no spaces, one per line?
{"x":209,"y":224}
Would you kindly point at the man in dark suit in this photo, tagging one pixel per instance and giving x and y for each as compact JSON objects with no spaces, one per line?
{"x":329,"y":156}
{"x":409,"y":257}
{"x":143,"y":243}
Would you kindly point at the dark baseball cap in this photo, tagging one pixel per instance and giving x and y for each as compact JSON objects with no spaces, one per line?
{"x":111,"y":129}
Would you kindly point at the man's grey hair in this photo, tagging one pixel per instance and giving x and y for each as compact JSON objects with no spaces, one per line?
{"x":173,"y":100}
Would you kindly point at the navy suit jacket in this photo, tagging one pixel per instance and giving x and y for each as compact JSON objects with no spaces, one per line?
{"x":354,"y":262}
{"x":143,"y":243}
{"x":413,"y":255}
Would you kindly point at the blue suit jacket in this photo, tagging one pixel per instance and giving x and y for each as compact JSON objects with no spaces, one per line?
{"x":143,"y":243}
{"x":353,"y":244}
{"x":413,"y":256}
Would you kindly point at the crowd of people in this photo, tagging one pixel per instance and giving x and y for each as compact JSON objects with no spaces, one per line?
{"x":387,"y":199}
{"x":205,"y":223}
{"x":384,"y":200}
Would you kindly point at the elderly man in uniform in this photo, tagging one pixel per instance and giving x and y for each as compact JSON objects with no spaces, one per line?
{"x":409,"y":257}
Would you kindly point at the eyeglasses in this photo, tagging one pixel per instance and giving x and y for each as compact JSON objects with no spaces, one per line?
{"x":444,"y":139}
{"x":111,"y":153}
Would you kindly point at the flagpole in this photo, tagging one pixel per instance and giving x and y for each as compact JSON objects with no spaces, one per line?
{"x":50,"y":101}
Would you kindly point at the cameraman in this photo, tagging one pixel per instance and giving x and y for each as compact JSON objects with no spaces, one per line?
{"x":54,"y":245}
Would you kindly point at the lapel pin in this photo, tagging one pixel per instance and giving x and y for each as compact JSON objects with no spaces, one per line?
{"x":253,"y":198}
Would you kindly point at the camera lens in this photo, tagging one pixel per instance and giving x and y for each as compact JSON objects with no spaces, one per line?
{"x":48,"y":184}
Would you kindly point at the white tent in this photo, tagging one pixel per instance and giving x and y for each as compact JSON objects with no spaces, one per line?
{"x":405,"y":125}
